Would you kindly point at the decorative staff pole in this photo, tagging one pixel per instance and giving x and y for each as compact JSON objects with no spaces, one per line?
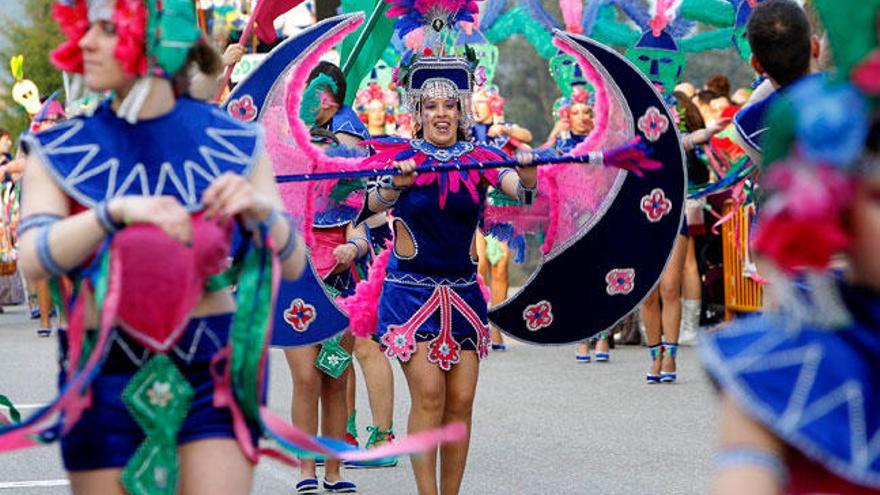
{"x":632,"y":156}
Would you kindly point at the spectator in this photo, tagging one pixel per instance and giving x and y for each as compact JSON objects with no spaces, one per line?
{"x":782,"y":49}
{"x":719,"y":84}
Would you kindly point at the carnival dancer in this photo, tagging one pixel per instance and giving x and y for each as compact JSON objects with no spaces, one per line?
{"x":375,"y":106}
{"x":431,"y":312}
{"x":51,"y":113}
{"x":575,"y":120}
{"x":490,"y":128}
{"x":145,"y":137}
{"x":336,"y":245}
{"x":799,"y":384}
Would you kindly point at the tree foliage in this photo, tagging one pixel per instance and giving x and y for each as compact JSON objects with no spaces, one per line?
{"x":34,"y":35}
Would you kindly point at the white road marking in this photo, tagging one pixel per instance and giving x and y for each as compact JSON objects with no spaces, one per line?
{"x":26,"y":406}
{"x":32,"y":484}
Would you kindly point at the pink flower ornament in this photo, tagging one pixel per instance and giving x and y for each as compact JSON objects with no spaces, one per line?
{"x":653,"y":124}
{"x":243,"y":109}
{"x":621,"y":281}
{"x":656,"y":205}
{"x":300,"y":315}
{"x":538,"y":316}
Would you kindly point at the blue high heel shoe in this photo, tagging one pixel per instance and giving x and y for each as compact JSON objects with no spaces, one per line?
{"x":670,"y":350}
{"x":655,"y":351}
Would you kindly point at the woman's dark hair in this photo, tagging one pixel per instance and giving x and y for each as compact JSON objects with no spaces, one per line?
{"x":205,"y":58}
{"x":4,"y":132}
{"x":335,"y":73}
{"x":706,"y":96}
{"x":693,"y":119}
{"x":779,"y":34}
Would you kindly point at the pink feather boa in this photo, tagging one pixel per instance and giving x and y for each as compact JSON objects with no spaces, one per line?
{"x":363,"y":306}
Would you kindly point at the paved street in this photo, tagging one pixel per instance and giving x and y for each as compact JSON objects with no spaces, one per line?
{"x":542,"y":424}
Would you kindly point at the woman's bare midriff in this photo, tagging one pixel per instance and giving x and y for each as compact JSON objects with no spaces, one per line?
{"x":212,"y":303}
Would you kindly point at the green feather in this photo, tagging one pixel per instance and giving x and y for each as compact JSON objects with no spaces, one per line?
{"x":610,"y":31}
{"x":718,"y":39}
{"x":311,"y":99}
{"x":344,"y":188}
{"x":719,"y":13}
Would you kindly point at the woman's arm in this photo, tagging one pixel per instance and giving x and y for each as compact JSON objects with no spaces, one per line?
{"x":522,"y":184}
{"x":356,"y":246}
{"x":257,"y":199}
{"x":53,"y":242}
{"x":750,"y":459}
{"x":387,"y":191}
{"x":702,"y":136}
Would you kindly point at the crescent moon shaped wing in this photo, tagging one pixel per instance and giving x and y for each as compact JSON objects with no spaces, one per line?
{"x":305,"y":312}
{"x":614,"y":261}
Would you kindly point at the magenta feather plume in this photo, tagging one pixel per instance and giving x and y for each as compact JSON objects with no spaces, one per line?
{"x":572,"y":13}
{"x":632,"y":156}
{"x":664,"y":12}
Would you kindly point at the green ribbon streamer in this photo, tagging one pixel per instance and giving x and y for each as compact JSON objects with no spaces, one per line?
{"x":13,"y":412}
{"x":250,"y":326}
{"x":373,"y":44}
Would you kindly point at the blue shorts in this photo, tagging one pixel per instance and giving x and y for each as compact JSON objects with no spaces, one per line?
{"x":404,"y":294}
{"x":106,"y":436}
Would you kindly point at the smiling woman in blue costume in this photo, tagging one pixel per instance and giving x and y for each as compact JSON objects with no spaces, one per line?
{"x":800,"y":412}
{"x":432,"y":313}
{"x":132,"y":176}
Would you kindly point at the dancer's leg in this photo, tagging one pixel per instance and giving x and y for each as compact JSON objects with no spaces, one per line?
{"x":306,"y":390}
{"x":103,"y":481}
{"x":333,"y":416}
{"x":212,"y":466}
{"x":461,"y":386}
{"x":427,"y":388}
{"x":379,"y":380}
{"x":499,"y":286}
{"x":670,"y":295}
{"x":651,"y":317}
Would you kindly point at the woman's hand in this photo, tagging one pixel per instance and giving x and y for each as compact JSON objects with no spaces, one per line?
{"x":560,"y":127}
{"x":345,"y":253}
{"x":497,"y":130}
{"x":717,"y":126}
{"x":408,"y":173}
{"x":528,"y":174}
{"x":233,"y":54}
{"x":230,"y":195}
{"x":164,"y":212}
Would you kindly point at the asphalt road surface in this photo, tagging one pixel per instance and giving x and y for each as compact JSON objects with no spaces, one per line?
{"x":542,"y":424}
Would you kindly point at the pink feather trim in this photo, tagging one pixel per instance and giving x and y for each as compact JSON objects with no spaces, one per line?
{"x":484,"y":289}
{"x":363,"y":306}
{"x":318,"y":161}
{"x":547,"y":175}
